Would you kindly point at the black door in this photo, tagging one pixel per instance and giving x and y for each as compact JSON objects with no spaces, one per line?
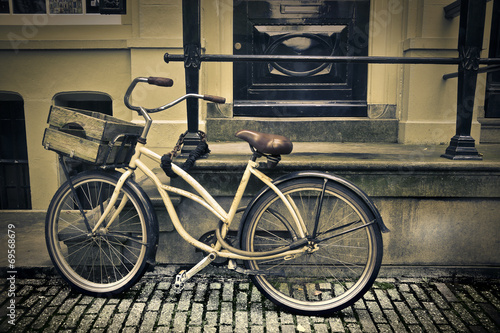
{"x":15,"y":190}
{"x":492,"y":103}
{"x":300,"y":27}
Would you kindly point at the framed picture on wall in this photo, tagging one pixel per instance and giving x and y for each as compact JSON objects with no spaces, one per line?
{"x":66,"y":7}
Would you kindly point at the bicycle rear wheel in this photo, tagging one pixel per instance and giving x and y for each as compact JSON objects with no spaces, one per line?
{"x":344,"y":252}
{"x":111,"y":259}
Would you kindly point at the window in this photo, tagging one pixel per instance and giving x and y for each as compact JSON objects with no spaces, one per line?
{"x":86,"y":100}
{"x":61,"y":12}
{"x":15,"y":190}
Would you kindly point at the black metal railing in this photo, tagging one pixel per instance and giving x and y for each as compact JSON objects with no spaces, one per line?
{"x":472,"y":17}
{"x":334,"y":59}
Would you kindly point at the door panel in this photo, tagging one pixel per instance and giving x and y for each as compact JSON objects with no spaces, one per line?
{"x":315,"y":28}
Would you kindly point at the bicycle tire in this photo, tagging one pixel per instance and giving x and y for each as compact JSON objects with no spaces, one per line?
{"x":109,"y":261}
{"x":332,"y":274}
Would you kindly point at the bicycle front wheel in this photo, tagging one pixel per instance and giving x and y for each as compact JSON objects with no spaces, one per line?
{"x":110,"y":259}
{"x":344,"y":249}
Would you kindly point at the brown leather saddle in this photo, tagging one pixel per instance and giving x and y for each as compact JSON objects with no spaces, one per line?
{"x":267,"y":143}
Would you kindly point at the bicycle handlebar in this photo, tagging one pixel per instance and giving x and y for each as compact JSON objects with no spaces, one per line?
{"x":164,"y":82}
{"x":160,"y":81}
{"x":215,"y":99}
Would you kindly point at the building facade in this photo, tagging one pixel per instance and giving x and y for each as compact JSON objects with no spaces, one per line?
{"x":65,"y":53}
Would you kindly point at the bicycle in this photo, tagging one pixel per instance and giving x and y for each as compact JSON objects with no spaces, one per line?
{"x":310,"y":241}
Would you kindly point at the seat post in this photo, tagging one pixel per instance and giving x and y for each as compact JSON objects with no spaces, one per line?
{"x":255,"y":155}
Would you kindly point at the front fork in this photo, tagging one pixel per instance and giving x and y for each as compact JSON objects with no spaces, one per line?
{"x":112,"y":201}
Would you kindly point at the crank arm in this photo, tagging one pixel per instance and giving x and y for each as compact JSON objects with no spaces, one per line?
{"x":183,"y":276}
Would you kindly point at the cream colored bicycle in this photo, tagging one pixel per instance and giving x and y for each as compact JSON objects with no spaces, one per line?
{"x":310,"y":241}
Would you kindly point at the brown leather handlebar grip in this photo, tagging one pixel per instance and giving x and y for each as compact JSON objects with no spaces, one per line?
{"x":215,"y":99}
{"x":160,"y":81}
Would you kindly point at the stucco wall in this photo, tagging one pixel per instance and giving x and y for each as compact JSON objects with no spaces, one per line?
{"x":427,"y":103}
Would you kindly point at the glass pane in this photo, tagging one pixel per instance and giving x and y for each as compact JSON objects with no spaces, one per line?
{"x":99,"y":102}
{"x":12,"y":129}
{"x":92,"y":6}
{"x":29,"y":6}
{"x":4,"y":6}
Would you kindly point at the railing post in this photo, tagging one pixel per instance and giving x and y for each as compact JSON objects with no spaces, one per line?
{"x":470,"y":41}
{"x":192,"y":52}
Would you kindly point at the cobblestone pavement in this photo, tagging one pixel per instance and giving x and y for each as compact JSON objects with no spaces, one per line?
{"x":211,"y":303}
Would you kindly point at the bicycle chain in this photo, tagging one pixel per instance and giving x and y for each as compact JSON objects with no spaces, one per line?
{"x":180,"y":142}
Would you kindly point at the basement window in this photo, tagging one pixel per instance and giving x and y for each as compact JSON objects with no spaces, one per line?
{"x":86,"y":100}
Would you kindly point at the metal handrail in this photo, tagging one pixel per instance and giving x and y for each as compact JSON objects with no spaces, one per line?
{"x":339,"y":59}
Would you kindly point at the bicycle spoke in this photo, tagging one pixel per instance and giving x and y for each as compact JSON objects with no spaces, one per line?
{"x":123,"y":234}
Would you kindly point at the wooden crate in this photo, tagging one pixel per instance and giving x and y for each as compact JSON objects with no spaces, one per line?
{"x":85,"y":135}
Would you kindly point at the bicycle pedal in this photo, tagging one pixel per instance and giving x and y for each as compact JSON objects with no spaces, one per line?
{"x":179,"y":282}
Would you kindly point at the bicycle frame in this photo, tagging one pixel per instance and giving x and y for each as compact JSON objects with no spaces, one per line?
{"x":206,"y":200}
{"x":337,"y":260}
